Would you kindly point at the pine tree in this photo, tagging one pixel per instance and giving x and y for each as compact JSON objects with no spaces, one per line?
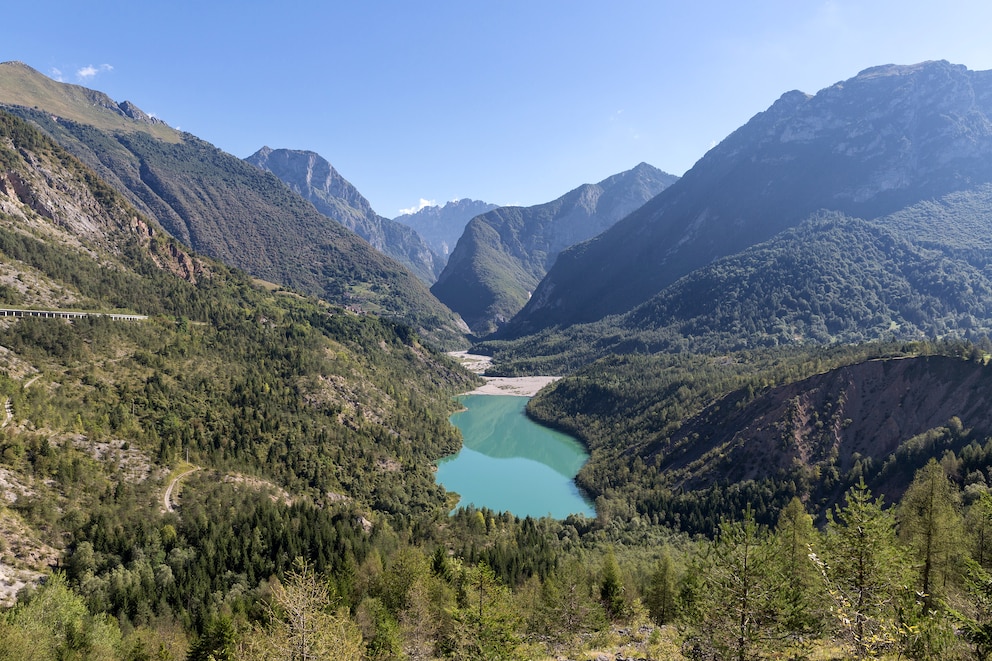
{"x":863,"y":569}
{"x":611,"y":587}
{"x":799,"y":606}
{"x":930,"y":525}
{"x":739,"y":592}
{"x":979,"y":526}
{"x":662,"y":593}
{"x":485,"y":621}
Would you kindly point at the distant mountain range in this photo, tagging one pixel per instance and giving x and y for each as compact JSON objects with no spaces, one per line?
{"x":441,"y":226}
{"x":312,"y":177}
{"x":844,"y":216}
{"x":504,"y":253}
{"x":891,"y":137}
{"x":223,"y":207}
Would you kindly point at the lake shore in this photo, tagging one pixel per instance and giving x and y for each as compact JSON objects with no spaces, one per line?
{"x":524,"y":386}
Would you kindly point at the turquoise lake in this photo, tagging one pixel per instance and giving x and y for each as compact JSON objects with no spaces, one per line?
{"x":510,"y":463}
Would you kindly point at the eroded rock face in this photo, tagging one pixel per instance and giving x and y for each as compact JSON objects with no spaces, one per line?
{"x":830,"y":421}
{"x":56,"y":198}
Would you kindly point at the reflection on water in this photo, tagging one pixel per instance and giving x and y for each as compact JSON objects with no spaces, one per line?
{"x":508,"y":462}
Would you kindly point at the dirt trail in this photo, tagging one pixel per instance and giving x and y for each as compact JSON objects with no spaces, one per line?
{"x":167,"y":496}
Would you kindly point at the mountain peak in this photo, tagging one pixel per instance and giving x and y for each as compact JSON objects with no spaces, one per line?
{"x":886,"y":70}
{"x":504,"y":253}
{"x":868,"y":146}
{"x":314,"y":178}
{"x":21,"y":85}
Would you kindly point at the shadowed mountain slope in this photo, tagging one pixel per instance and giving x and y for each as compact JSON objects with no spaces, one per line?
{"x":314,"y":179}
{"x":504,"y":253}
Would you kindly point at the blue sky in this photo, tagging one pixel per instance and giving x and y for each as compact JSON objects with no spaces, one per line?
{"x":511,"y":102}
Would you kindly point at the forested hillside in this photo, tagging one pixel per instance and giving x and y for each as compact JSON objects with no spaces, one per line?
{"x":248,"y":473}
{"x":223,"y":207}
{"x":888,"y":138}
{"x":915,"y":274}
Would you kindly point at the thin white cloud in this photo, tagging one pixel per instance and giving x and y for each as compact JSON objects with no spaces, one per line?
{"x":423,"y":204}
{"x":90,"y":71}
{"x":56,"y":75}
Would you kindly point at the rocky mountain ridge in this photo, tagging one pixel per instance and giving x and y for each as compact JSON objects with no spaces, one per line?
{"x":869,"y":146}
{"x":441,"y":226}
{"x":223,"y":207}
{"x":504,"y":253}
{"x":312,"y":177}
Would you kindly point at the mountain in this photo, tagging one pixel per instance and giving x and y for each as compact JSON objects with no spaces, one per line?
{"x":240,"y":379}
{"x":314,"y":179}
{"x":681,"y":437}
{"x":223,"y":207}
{"x":504,"y":253}
{"x":861,"y":413}
{"x":911,"y":275}
{"x":442,"y":225}
{"x":22,"y":85}
{"x":890,"y":137}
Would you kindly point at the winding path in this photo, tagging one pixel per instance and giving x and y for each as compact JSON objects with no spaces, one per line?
{"x":167,"y":496}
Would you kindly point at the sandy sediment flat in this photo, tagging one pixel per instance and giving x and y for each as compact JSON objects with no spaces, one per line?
{"x":525,"y":386}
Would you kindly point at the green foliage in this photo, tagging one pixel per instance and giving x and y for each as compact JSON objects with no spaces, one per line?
{"x":800,"y":604}
{"x":218,"y":642}
{"x":864,"y":570}
{"x":484,"y":622}
{"x":738,"y":606}
{"x":54,"y":623}
{"x":662,"y":593}
{"x":665,"y":433}
{"x":977,"y":623}
{"x":832,"y":279}
{"x":930,"y":525}
{"x":611,"y":588}
{"x":302,"y":623}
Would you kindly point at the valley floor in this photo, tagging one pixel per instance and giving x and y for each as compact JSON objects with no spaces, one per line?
{"x":526,"y":386}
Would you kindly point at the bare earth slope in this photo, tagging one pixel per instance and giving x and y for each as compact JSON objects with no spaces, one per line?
{"x":828,"y":421}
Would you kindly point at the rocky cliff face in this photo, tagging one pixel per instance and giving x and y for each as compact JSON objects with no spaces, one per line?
{"x":504,"y":253}
{"x":47,"y":196}
{"x":312,"y":177}
{"x":868,"y":146}
{"x":441,"y":226}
